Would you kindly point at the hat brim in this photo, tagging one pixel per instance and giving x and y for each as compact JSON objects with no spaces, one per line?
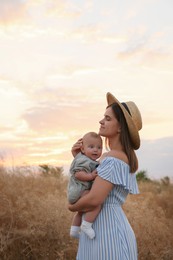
{"x":131,"y":126}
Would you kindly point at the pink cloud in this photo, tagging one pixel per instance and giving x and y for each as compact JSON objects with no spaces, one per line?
{"x":12,"y":11}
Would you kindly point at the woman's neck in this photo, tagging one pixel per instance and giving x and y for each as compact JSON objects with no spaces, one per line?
{"x":115,"y":145}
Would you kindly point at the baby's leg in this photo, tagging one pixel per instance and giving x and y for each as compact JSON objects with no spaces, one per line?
{"x":88,"y":220}
{"x":77,"y":219}
{"x":75,"y":227}
{"x":90,"y":216}
{"x":87,"y":223}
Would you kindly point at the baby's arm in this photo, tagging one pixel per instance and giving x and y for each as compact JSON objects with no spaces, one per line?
{"x":85,"y":176}
{"x":76,"y":148}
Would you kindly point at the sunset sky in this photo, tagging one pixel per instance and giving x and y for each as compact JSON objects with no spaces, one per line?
{"x":58,"y":59}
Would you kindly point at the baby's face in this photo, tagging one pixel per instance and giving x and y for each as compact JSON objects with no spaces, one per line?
{"x":92,"y":147}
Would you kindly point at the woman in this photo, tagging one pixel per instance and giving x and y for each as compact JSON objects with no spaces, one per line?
{"x":115,"y":239}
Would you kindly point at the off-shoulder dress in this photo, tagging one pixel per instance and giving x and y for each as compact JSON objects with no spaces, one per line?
{"x":115,"y":239}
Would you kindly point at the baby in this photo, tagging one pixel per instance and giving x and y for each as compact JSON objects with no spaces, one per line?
{"x":82,"y":174}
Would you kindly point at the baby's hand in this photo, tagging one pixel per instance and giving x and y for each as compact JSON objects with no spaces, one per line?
{"x":76,"y":148}
{"x":94,"y":174}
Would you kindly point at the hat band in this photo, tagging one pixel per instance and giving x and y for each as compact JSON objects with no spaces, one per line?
{"x":126,"y":107}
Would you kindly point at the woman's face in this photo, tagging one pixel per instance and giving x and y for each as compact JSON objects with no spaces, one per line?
{"x":109,"y":125}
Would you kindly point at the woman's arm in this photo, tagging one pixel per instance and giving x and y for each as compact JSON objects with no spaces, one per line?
{"x":98,"y":193}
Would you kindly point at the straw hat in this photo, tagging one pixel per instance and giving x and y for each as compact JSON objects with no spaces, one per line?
{"x":132,"y":116}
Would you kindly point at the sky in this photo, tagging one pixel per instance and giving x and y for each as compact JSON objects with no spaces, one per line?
{"x":58,"y":59}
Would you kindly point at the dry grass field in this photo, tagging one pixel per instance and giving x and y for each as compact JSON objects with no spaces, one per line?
{"x":34,"y":220}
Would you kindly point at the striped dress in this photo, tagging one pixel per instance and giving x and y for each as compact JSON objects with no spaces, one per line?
{"x":115,"y":239}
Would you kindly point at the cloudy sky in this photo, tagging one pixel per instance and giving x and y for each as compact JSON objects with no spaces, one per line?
{"x":59,"y":58}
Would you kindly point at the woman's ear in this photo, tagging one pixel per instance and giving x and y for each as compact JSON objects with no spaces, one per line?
{"x":119,"y":130}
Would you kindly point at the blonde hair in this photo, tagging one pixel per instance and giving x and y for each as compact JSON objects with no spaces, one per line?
{"x":92,"y":134}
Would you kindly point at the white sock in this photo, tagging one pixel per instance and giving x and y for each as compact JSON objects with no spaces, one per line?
{"x":74,"y":231}
{"x":86,"y":227}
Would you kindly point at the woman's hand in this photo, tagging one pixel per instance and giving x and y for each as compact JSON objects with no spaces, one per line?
{"x":96,"y":196}
{"x":76,"y":148}
{"x":72,"y":207}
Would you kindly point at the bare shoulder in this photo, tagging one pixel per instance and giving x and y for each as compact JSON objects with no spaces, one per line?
{"x":103,"y":156}
{"x":119,"y":155}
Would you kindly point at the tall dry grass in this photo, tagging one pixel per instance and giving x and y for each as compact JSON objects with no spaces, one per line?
{"x":151,"y":216}
{"x":34,"y":220}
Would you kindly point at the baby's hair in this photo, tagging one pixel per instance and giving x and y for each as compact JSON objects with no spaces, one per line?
{"x":92,"y":134}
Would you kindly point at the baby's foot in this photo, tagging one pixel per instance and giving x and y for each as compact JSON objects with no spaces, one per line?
{"x":87,"y":229}
{"x":74,"y":232}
